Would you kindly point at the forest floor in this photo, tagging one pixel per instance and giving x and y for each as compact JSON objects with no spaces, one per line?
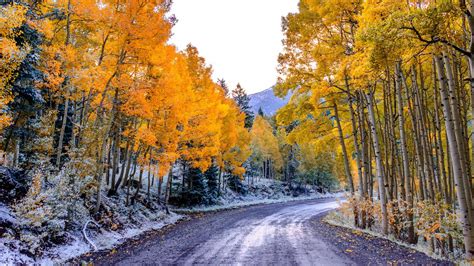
{"x":282,"y":233}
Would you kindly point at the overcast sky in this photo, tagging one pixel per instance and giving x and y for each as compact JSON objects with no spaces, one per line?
{"x":241,"y":39}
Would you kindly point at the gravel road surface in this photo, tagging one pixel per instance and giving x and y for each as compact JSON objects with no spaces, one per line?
{"x":276,"y":234}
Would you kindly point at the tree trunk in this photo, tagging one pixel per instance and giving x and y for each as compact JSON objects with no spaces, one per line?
{"x":116,"y":161}
{"x":453,"y":104}
{"x":169,"y":184}
{"x":405,"y":159}
{"x":357,"y":149}
{"x":125,"y":164}
{"x":344,"y":151}
{"x":59,"y":151}
{"x":439,"y":143}
{"x":378,"y":162}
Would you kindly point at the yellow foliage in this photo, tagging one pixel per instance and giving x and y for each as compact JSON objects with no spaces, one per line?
{"x":12,"y":16}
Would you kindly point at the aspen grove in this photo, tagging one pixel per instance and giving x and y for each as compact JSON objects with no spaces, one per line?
{"x":109,"y":123}
{"x":396,"y":79}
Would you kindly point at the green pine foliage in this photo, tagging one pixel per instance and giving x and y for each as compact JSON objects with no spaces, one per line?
{"x":243,"y":101}
{"x":212,"y":178}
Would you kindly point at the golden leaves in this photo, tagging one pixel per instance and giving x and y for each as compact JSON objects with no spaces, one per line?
{"x":12,"y":16}
{"x":113,"y":60}
{"x":264,"y":142}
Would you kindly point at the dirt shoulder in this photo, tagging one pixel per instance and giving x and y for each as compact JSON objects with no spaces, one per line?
{"x":366,"y":249}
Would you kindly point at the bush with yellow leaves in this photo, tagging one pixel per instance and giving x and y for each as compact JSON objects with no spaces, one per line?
{"x":363,"y":211}
{"x":437,"y":223}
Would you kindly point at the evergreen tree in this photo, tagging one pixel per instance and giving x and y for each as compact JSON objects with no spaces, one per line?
{"x":212,"y":176}
{"x":195,"y":192}
{"x":223,"y":84}
{"x":243,"y":101}
{"x":198,"y":191}
{"x":235,"y":183}
{"x":260,"y":112}
{"x":27,"y":99}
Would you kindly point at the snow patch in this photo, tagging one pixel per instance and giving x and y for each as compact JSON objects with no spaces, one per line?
{"x":6,"y":215}
{"x":11,"y":254}
{"x":245,"y":202}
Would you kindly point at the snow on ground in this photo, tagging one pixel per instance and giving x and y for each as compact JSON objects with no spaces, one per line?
{"x":106,"y":240}
{"x":262,"y":191}
{"x":6,"y":215}
{"x":10,"y":249}
{"x":245,"y":203}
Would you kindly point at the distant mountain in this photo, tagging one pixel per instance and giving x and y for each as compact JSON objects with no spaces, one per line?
{"x":267,"y":101}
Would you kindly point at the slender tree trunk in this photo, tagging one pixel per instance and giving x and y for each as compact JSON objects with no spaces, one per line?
{"x":405,"y":159}
{"x":100,"y":173}
{"x":61,"y":134}
{"x":219,"y":182}
{"x":344,"y":151}
{"x":364,"y":146}
{"x":379,"y":166}
{"x":453,"y":103}
{"x":140,"y":178}
{"x":169,"y":185}
{"x":116,"y":161}
{"x":148,"y":194}
{"x":439,"y":143}
{"x":109,"y":154}
{"x":357,"y":149}
{"x":125,"y":165}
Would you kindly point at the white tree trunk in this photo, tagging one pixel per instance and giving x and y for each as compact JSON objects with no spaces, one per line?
{"x":378,"y":164}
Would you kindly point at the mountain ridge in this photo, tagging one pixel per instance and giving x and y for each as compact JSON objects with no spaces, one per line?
{"x":267,"y":100}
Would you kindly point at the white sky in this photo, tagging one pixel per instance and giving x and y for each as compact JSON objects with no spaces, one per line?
{"x":241,"y":39}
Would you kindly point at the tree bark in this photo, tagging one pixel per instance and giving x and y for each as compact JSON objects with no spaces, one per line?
{"x":59,"y":151}
{"x":347,"y":168}
{"x":378,"y":162}
{"x":405,"y":159}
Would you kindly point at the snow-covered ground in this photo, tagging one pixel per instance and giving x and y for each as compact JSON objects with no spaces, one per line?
{"x":11,"y":255}
{"x":262,"y":191}
{"x":254,"y":201}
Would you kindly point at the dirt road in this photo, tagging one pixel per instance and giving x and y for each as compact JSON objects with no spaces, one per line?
{"x":276,"y":234}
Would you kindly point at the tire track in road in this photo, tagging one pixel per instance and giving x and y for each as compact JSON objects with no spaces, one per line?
{"x":270,"y":234}
{"x":291,"y":233}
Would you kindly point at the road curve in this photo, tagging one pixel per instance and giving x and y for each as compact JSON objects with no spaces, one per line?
{"x":277,"y":234}
{"x":270,"y":234}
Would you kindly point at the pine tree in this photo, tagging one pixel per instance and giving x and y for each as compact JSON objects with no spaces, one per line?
{"x":235,"y":183}
{"x":223,"y":84}
{"x":212,"y":178}
{"x":21,"y":86}
{"x":243,"y":101}
{"x":197,"y":192}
